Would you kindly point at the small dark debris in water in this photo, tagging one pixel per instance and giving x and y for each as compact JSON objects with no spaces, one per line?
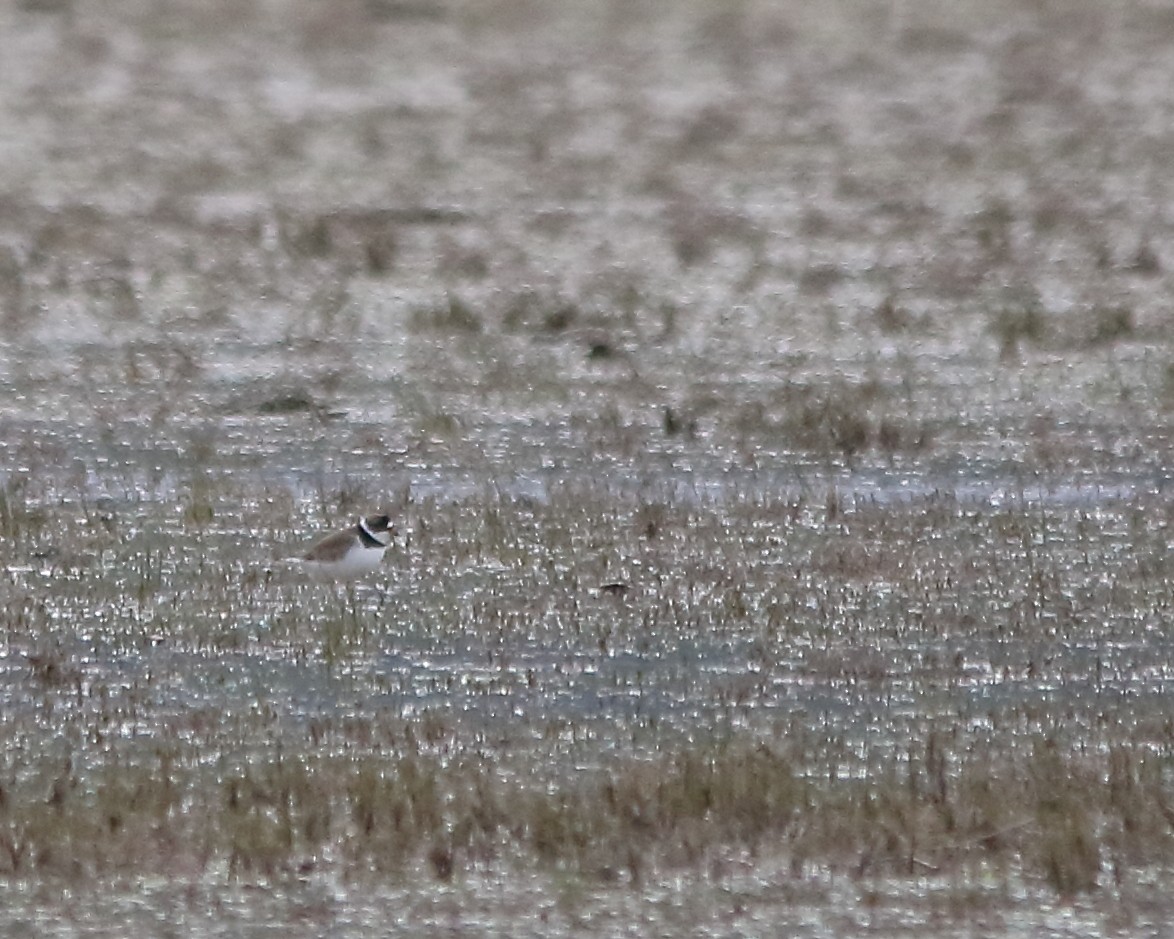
{"x":441,"y":859}
{"x":674,"y":425}
{"x":51,"y":668}
{"x":892,"y":318}
{"x":614,"y":589}
{"x":105,"y":514}
{"x":600,"y":349}
{"x":295,"y":401}
{"x":288,"y":403}
{"x":560,"y":320}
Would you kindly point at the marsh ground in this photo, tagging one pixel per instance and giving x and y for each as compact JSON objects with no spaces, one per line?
{"x":839,"y":335}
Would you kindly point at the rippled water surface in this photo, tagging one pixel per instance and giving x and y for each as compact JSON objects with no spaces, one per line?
{"x":775,"y":405}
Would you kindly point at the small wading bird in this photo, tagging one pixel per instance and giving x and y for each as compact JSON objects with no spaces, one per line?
{"x":351,"y":552}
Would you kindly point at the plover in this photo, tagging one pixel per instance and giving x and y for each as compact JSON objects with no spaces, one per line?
{"x":353,"y":551}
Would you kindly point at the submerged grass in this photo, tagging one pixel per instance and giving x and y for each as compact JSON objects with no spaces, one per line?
{"x":668,"y":663}
{"x":939,"y":686}
{"x":779,"y":433}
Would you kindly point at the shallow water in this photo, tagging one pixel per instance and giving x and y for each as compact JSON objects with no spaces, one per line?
{"x":840,"y":336}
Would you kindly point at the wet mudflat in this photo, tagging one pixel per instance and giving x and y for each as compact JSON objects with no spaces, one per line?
{"x":776,"y":405}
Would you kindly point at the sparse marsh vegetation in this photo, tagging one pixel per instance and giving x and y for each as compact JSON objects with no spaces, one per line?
{"x":922,"y":687}
{"x":775,"y":402}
